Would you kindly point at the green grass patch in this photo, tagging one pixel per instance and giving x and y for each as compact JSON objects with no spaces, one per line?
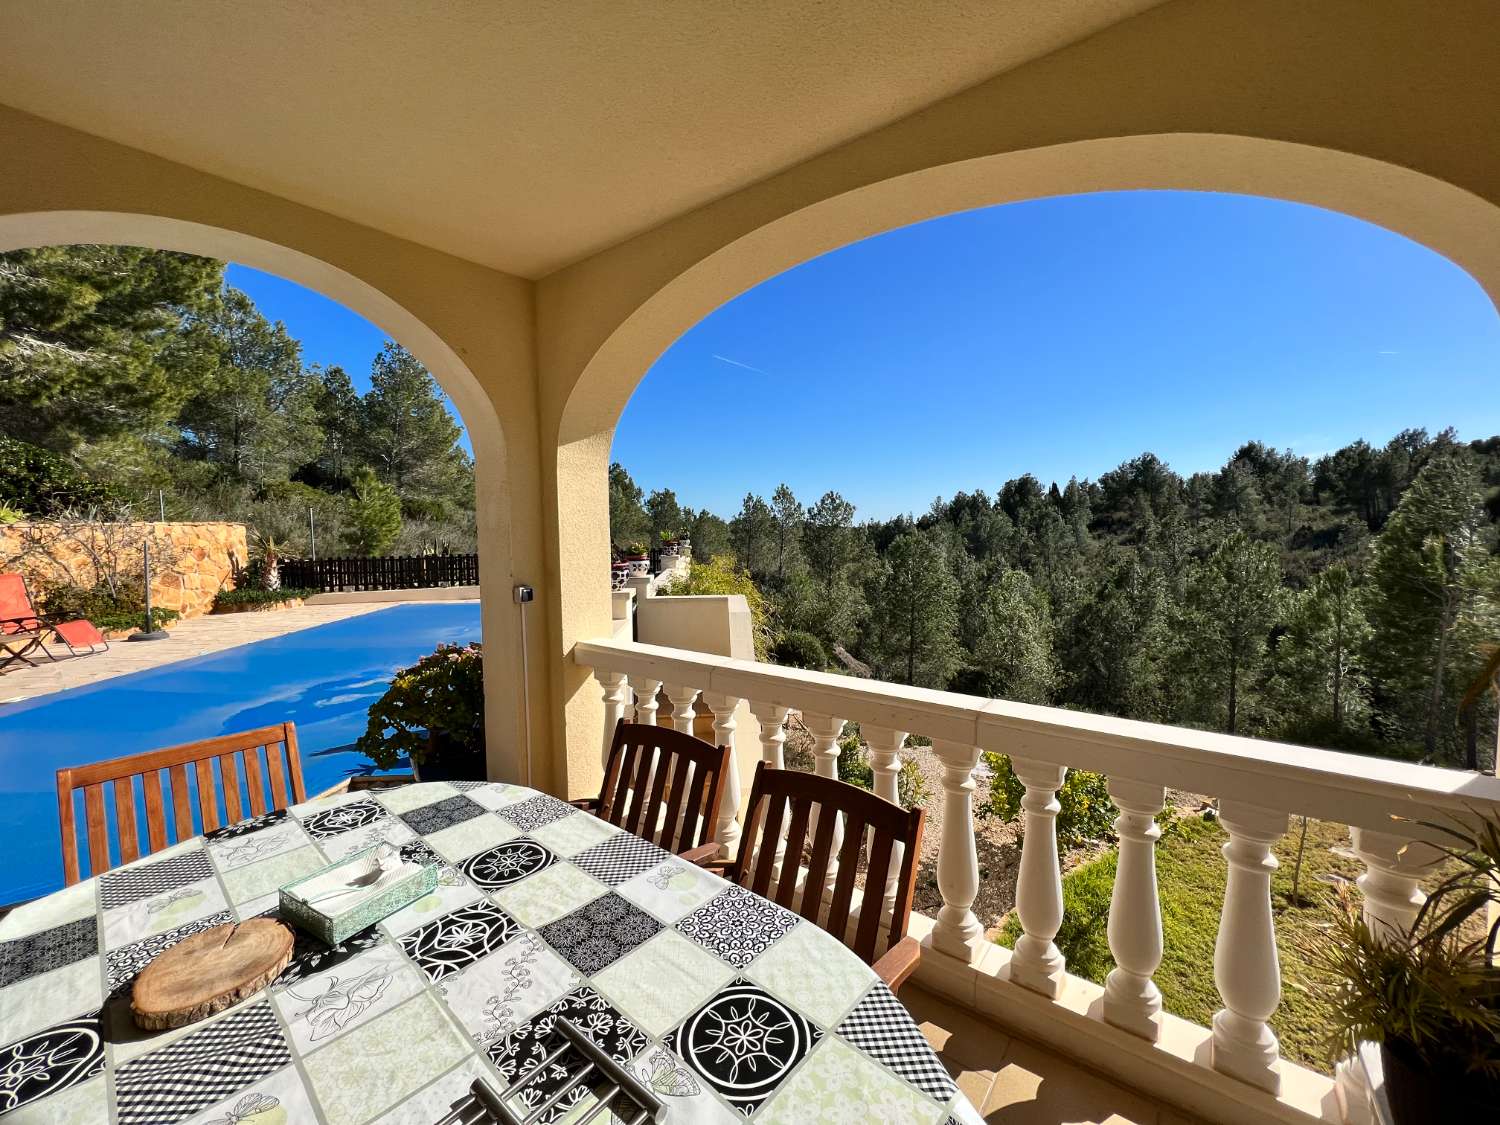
{"x":1190,"y":875}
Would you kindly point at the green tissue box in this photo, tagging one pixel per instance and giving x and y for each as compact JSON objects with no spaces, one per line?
{"x":322,"y":905}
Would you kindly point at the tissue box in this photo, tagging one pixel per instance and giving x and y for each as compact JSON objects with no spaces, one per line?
{"x":346,"y":916}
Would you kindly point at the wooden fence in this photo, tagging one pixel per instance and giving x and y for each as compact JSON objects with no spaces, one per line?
{"x":411,"y":572}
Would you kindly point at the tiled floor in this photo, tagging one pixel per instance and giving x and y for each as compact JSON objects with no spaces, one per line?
{"x":1015,"y":1083}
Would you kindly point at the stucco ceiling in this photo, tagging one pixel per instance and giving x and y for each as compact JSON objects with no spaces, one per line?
{"x":523,"y":134}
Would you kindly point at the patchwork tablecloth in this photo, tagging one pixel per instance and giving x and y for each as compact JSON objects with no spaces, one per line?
{"x":727,"y":1005}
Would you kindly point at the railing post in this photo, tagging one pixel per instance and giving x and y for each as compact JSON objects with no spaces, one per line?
{"x":727,"y":829}
{"x":1132,"y":1001}
{"x":772,"y":720}
{"x":826,"y":730}
{"x":1394,"y":866}
{"x":1247,"y":969}
{"x":616,"y":688}
{"x":1037,"y":963}
{"x":681,"y":697}
{"x":645,"y":700}
{"x":885,"y":760}
{"x":957,"y":928}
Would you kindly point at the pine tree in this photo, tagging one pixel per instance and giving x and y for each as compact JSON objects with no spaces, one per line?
{"x":410,"y":438}
{"x":752,"y":534}
{"x":1014,"y":644}
{"x":1318,"y":681}
{"x":827,"y":536}
{"x":665,"y":515}
{"x":628,"y":525}
{"x":789,"y":519}
{"x":915,"y":617}
{"x":340,"y":418}
{"x":374,"y":515}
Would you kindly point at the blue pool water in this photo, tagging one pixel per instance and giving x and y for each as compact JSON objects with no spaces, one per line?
{"x":323,"y":679}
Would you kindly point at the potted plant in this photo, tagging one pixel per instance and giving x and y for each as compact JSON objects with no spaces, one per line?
{"x":639,"y":559}
{"x":1430,"y":996}
{"x":432,"y":715}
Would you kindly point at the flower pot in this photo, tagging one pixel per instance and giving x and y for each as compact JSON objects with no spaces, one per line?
{"x":452,"y":759}
{"x":1417,"y":1094}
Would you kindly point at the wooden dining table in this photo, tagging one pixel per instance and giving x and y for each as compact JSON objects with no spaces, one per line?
{"x":728,"y":1007}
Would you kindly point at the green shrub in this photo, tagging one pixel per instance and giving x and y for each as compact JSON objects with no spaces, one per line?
{"x":254,"y":595}
{"x":41,"y":483}
{"x":442,"y":691}
{"x":1087,"y":812}
{"x":855,"y":768}
{"x":126,"y":610}
{"x":799,"y":649}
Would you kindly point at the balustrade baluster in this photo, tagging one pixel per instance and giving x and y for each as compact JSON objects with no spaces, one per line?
{"x":957,"y":928}
{"x":681,"y":697}
{"x":1131,"y":999}
{"x":616,"y":689}
{"x":885,"y":760}
{"x":1247,"y":969}
{"x":826,"y":730}
{"x":771,"y":718}
{"x":1037,"y":963}
{"x":727,"y":828}
{"x":646,"y":691}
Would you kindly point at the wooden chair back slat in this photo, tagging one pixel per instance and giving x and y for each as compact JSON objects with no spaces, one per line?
{"x":130,"y":844}
{"x":255,"y":781}
{"x":647,"y":789}
{"x":182,"y":809}
{"x":894,"y":838}
{"x":282,"y":763}
{"x":156,"y":819}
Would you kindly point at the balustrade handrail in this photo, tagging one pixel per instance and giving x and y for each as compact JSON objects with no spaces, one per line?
{"x":1352,"y":789}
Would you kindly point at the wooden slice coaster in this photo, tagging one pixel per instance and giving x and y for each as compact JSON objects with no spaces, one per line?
{"x":207,"y":972}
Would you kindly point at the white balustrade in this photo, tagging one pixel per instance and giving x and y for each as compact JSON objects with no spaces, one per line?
{"x":1131,"y":999}
{"x":1391,"y":883}
{"x":1247,"y":970}
{"x":646,"y":691}
{"x":772,"y":720}
{"x":727,"y":826}
{"x":681,"y":697}
{"x":957,"y":928}
{"x":1037,"y":963}
{"x":826,"y":730}
{"x":616,"y":689}
{"x":885,"y":760}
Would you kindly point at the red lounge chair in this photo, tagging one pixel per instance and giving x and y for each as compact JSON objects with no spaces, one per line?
{"x":23,"y":630}
{"x":81,"y":636}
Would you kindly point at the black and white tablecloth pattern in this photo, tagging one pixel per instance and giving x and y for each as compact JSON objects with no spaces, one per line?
{"x":730,"y":1007}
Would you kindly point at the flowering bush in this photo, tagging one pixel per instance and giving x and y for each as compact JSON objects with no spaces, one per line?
{"x":1087,"y":812}
{"x":442,"y":691}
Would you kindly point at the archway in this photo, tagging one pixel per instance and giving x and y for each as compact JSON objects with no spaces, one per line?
{"x":504,"y":691}
{"x":1455,"y":223}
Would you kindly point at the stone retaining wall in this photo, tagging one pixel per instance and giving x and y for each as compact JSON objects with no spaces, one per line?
{"x":206,"y":558}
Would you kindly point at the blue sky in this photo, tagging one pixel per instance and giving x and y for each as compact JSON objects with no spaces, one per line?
{"x":1055,"y":337}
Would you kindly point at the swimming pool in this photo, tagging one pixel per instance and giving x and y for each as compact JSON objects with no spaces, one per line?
{"x":323,"y":679}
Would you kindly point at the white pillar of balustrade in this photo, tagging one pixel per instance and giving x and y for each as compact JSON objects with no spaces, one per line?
{"x":1037,"y":963}
{"x":772,"y":720}
{"x":1247,"y":969}
{"x":885,"y":760}
{"x":727,"y":827}
{"x":1132,"y":1001}
{"x":1394,"y":867}
{"x":645,"y":699}
{"x":681,"y":697}
{"x":825,"y":730}
{"x":616,"y":691}
{"x":956,"y":928}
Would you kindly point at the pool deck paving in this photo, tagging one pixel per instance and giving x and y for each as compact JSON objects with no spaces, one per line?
{"x":196,"y":636}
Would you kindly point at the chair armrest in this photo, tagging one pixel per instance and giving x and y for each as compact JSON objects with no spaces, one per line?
{"x":703,"y":855}
{"x":899,"y":962}
{"x":587,"y":804}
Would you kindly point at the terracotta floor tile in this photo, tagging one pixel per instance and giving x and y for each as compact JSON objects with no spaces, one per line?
{"x":969,"y":1042}
{"x":1034,"y":1087}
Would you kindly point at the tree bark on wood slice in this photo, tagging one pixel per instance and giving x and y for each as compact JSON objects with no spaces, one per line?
{"x":208,"y":972}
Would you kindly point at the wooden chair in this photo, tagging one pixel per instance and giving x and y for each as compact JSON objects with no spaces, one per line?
{"x":815,"y":801}
{"x":647,"y":789}
{"x":279,"y":778}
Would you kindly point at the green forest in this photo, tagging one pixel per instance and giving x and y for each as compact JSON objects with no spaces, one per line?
{"x":1347,"y":602}
{"x":134,"y":381}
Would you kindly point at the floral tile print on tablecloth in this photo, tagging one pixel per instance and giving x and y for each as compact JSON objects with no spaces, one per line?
{"x":517,"y":1054}
{"x":237,"y":851}
{"x":164,"y":911}
{"x":404,"y":798}
{"x":48,"y":950}
{"x":442,"y":814}
{"x":619,"y":859}
{"x":686,"y":1097}
{"x":369,"y":1069}
{"x":536,"y":811}
{"x":256,"y":879}
{"x":120,"y":888}
{"x":493,"y":997}
{"x":39,"y":1001}
{"x":457,"y":940}
{"x":123,"y":965}
{"x":278,"y":1099}
{"x":737,"y":925}
{"x":203,"y":1068}
{"x":681,"y":976}
{"x":63,"y":1055}
{"x":671,"y":889}
{"x":881,"y":1028}
{"x":571,"y":835}
{"x":246,"y":827}
{"x":599,"y":933}
{"x":387,"y":830}
{"x":507,"y":863}
{"x":326,"y":823}
{"x":744,"y":1042}
{"x":826,"y":995}
{"x":840,"y":1086}
{"x":492,"y":794}
{"x":549,"y":894}
{"x":463,"y":840}
{"x":311,"y":955}
{"x":321,"y":1007}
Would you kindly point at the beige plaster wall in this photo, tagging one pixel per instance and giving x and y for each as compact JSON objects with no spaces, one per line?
{"x":205,"y":557}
